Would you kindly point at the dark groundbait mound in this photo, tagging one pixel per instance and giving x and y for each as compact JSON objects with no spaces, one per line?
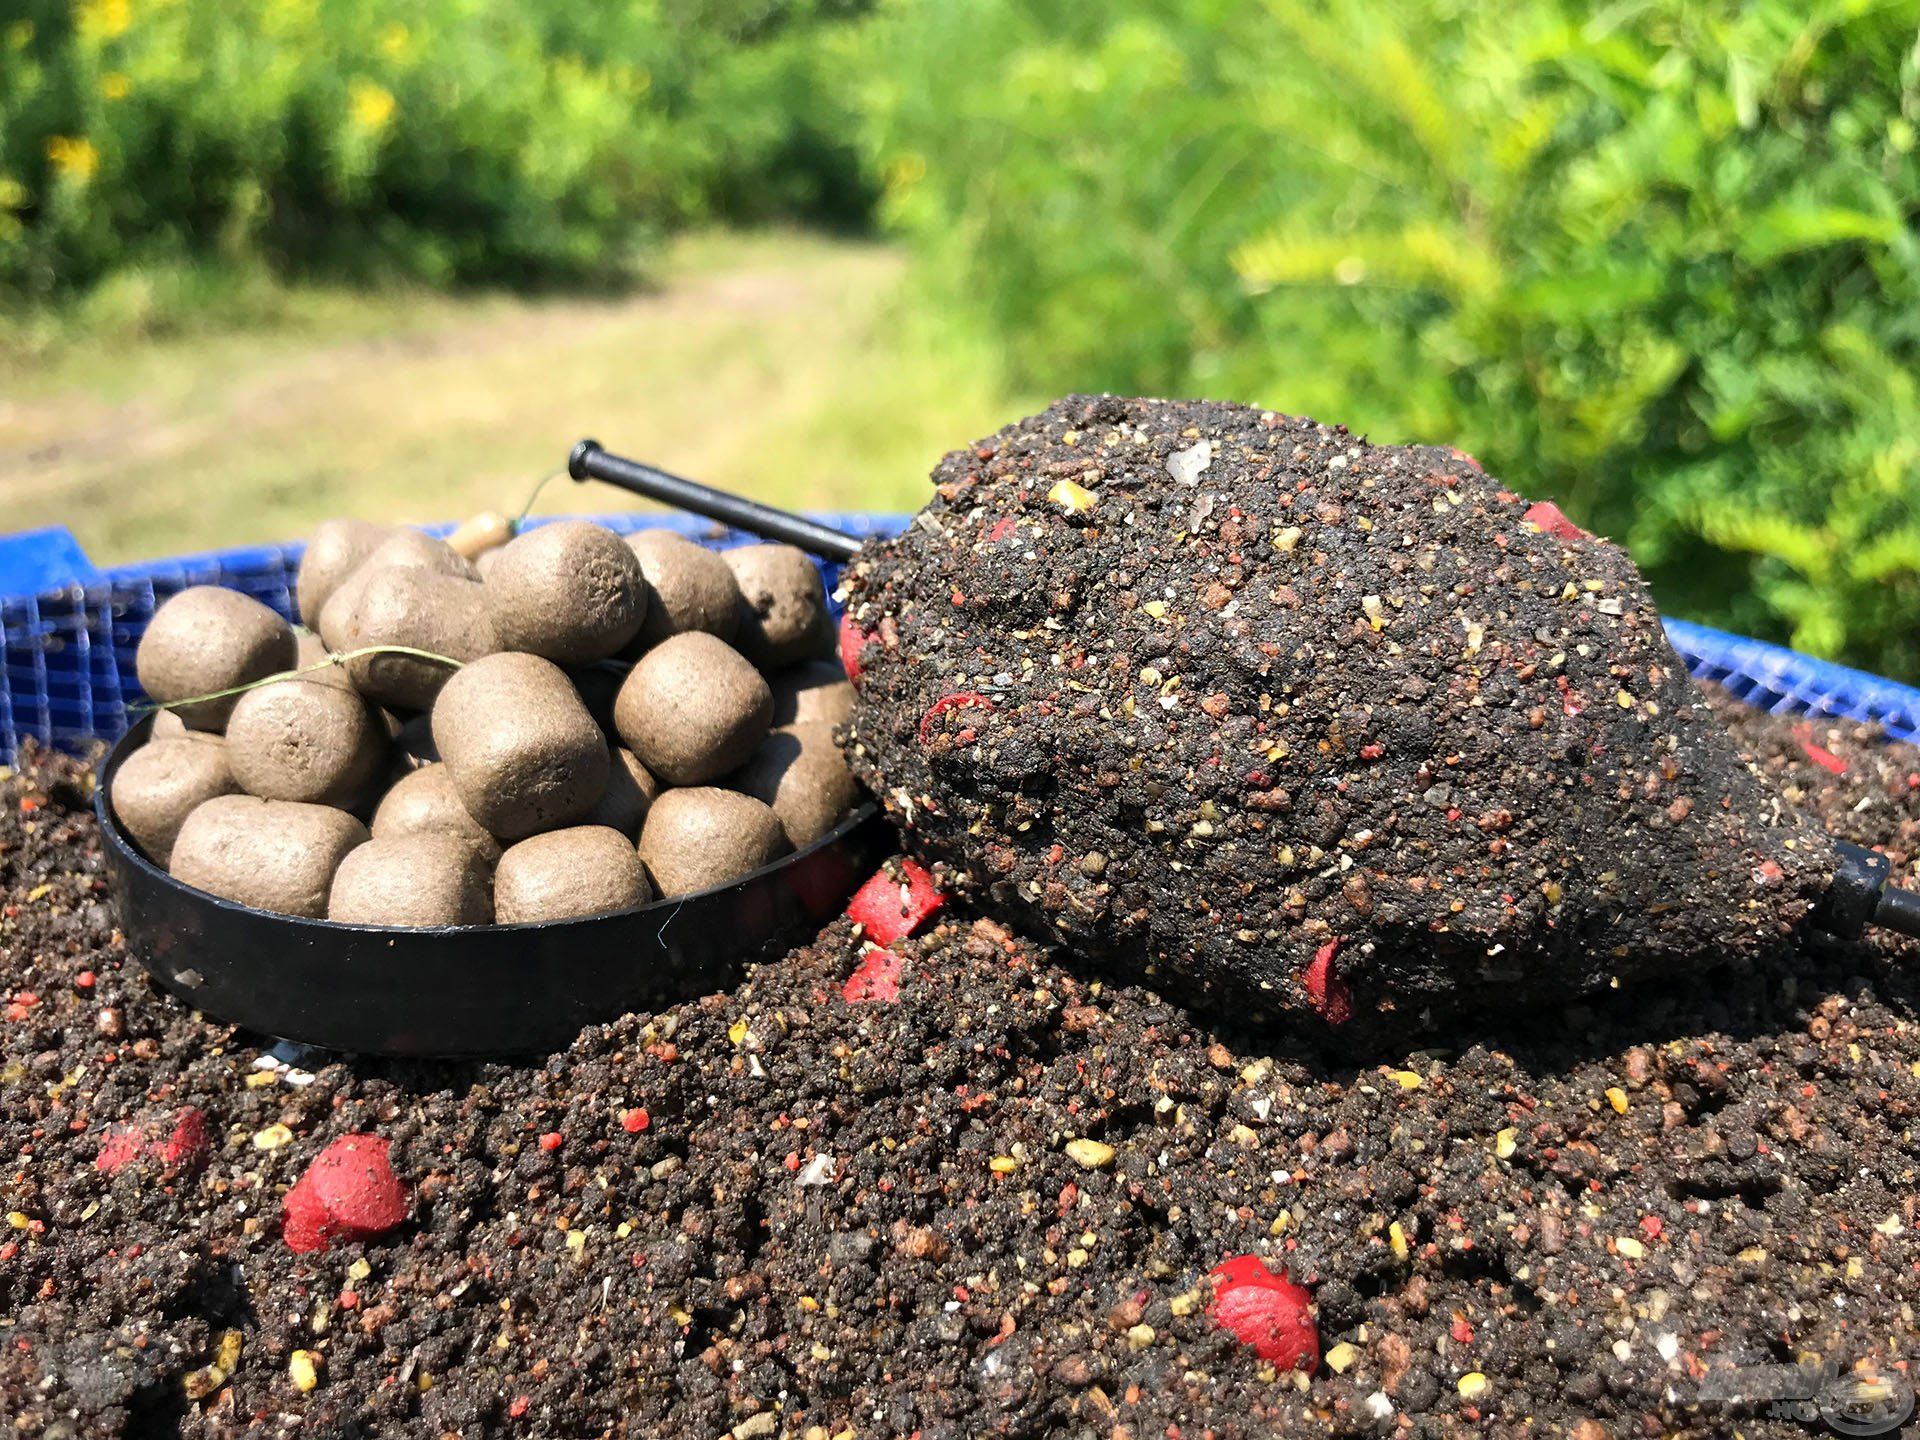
{"x":1299,"y":724}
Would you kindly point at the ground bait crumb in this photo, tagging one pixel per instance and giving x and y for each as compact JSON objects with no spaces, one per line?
{"x":775,"y":1212}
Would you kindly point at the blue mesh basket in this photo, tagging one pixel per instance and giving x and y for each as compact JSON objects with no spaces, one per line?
{"x":66,"y":656}
{"x":1785,"y":682}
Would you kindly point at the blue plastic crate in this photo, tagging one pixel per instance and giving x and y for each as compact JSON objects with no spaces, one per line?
{"x":66,"y":656}
{"x":1785,"y":682}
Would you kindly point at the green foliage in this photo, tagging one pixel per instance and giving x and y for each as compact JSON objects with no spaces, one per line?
{"x":1657,"y":260}
{"x":451,"y":140}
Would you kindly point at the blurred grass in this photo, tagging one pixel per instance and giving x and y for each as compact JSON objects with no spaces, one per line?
{"x":787,"y":365}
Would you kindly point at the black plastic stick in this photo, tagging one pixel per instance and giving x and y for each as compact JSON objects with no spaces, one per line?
{"x":1899,"y":911}
{"x":590,"y":462}
{"x":1860,"y":895}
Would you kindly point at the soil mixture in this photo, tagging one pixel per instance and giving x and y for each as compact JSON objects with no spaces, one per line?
{"x":781,"y":1211}
{"x":1310,"y":726}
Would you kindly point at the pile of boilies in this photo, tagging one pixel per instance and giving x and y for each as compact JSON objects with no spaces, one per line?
{"x":629,"y":719}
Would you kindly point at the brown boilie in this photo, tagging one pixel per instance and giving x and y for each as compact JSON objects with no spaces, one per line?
{"x":418,"y":608}
{"x":699,"y":837}
{"x":423,"y":801}
{"x":308,"y":737}
{"x":570,"y":874}
{"x":570,"y":591}
{"x":693,"y":708}
{"x":800,"y":773}
{"x":521,"y":751}
{"x":337,"y":549}
{"x":277,"y":855}
{"x":163,"y":782}
{"x":691,"y":588}
{"x":207,"y":639}
{"x":783,"y":617}
{"x":426,"y":878}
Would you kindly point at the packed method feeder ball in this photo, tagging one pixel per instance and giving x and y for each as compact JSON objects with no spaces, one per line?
{"x":208,"y":639}
{"x":1305,"y":726}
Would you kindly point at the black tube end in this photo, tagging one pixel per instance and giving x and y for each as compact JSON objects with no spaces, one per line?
{"x":1899,"y":911}
{"x":578,"y":456}
{"x":1851,"y":899}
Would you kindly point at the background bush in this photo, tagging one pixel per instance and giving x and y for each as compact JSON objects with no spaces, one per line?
{"x":1656,"y":260}
{"x":451,"y":140}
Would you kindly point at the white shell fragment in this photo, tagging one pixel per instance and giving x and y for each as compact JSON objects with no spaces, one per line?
{"x":1186,"y":466}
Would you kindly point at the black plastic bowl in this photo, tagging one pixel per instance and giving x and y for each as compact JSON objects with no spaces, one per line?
{"x":467,"y":992}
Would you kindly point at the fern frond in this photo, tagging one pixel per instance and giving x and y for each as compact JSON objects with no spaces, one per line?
{"x":1894,"y":554}
{"x":1442,"y":257}
{"x":1381,"y":71}
{"x":1806,"y":549}
{"x":1786,"y":229}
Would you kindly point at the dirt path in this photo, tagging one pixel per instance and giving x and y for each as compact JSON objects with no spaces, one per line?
{"x":777,"y":365}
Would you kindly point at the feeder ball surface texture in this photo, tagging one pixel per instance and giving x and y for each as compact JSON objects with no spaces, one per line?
{"x":1303,"y":725}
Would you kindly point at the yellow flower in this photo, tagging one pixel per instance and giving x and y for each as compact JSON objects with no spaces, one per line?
{"x":18,"y":34}
{"x":395,"y":40}
{"x":115,"y":85}
{"x":906,"y":171}
{"x":73,"y":158}
{"x":103,"y":19}
{"x":13,"y":196}
{"x":371,"y":105}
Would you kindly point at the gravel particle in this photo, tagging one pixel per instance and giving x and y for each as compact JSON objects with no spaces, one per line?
{"x":1090,"y":1154}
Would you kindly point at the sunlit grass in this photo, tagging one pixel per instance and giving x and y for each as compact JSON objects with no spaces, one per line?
{"x":789,"y":366}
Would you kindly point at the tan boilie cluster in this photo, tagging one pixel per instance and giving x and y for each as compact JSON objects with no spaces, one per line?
{"x":623,"y":719}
